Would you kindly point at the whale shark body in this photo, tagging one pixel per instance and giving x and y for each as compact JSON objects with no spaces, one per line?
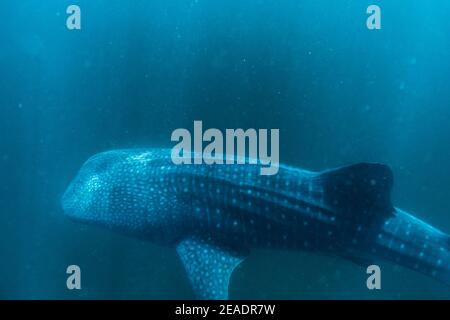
{"x":215,"y":214}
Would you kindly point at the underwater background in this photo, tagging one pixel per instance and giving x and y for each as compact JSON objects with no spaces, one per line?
{"x":338,"y":92}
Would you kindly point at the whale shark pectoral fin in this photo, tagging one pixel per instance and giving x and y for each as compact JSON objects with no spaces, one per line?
{"x":209,"y":267}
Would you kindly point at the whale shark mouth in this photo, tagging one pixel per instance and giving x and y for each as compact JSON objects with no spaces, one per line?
{"x":73,"y":206}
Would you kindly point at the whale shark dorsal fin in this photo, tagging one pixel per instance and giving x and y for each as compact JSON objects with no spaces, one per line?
{"x":209,"y":266}
{"x":362,"y":190}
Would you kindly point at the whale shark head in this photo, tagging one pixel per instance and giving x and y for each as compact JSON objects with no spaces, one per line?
{"x":119,"y":190}
{"x":88,"y":196}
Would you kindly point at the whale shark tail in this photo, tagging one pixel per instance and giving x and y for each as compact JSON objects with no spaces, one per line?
{"x":361,"y":196}
{"x":445,"y":276}
{"x":412,"y":243}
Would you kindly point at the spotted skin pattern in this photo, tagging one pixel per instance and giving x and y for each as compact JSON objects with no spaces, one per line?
{"x":214,"y":214}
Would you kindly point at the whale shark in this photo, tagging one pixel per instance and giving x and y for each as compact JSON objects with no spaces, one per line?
{"x":214,"y":215}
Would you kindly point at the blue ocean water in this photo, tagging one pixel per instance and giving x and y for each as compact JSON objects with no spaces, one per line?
{"x":338,"y":92}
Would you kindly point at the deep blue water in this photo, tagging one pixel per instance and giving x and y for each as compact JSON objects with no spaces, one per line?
{"x":338,"y":92}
